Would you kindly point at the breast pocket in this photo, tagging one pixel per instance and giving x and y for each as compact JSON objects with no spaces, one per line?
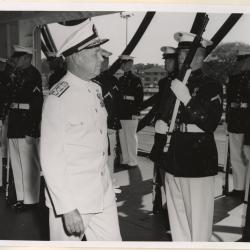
{"x":76,"y":129}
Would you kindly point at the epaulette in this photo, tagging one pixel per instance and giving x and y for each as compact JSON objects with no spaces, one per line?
{"x":59,"y":88}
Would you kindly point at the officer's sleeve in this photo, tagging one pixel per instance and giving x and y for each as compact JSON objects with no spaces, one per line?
{"x":53,"y":153}
{"x":36,"y":102}
{"x":205,"y":110}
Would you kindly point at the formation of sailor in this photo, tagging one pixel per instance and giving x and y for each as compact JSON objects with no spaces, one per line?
{"x":191,"y":162}
{"x":80,"y":196}
{"x":23,"y":131}
{"x":237,"y":117}
{"x":131,"y":89}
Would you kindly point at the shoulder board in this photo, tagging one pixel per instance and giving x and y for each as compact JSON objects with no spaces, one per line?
{"x":59,"y":88}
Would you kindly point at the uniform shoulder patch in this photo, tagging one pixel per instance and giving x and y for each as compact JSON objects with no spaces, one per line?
{"x":59,"y":88}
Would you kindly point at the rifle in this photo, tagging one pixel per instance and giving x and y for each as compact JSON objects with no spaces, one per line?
{"x":169,"y":105}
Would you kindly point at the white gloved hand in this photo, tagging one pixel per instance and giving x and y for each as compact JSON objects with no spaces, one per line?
{"x":161,"y":127}
{"x":181,"y":91}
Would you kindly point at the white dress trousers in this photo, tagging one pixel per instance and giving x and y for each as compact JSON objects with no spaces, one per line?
{"x":190,"y":203}
{"x":103,"y":226}
{"x":129,"y":141}
{"x":26,"y":169}
{"x":238,"y":166}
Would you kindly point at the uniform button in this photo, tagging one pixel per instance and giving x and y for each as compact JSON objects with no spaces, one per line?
{"x":101,"y":131}
{"x":89,"y":90}
{"x":96,"y":110}
{"x":101,"y":173}
{"x":103,"y":153}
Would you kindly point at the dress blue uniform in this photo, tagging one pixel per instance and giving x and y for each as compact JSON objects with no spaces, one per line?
{"x":238,"y":95}
{"x":132,"y":98}
{"x":191,"y":160}
{"x":23,"y":132}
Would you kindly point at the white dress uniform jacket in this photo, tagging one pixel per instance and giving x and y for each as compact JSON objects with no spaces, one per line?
{"x":74,"y":145}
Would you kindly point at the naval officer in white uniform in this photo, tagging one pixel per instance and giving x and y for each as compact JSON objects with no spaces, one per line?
{"x":74,"y":147}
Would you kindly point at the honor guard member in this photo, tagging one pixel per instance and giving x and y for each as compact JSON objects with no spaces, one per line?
{"x":74,"y":146}
{"x":237,"y":122}
{"x":4,"y":97}
{"x":191,"y":162}
{"x":24,"y":128}
{"x":132,"y":98}
{"x":169,"y":56}
{"x":111,"y":98}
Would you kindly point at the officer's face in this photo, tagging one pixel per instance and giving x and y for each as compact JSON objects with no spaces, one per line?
{"x":90,"y":60}
{"x":169,"y":65}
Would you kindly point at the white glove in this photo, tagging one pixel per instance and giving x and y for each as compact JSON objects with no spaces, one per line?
{"x":161,"y":127}
{"x":181,"y":91}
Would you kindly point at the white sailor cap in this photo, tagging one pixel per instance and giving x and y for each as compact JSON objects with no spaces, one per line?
{"x":21,"y":50}
{"x":126,"y":57}
{"x":3,"y":60}
{"x":84,"y":38}
{"x":168,"y":52}
{"x":105,"y":53}
{"x":185,"y":39}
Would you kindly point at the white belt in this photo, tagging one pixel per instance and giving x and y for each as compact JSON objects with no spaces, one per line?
{"x":239,"y":105}
{"x":190,"y":128}
{"x":129,"y":97}
{"x":15,"y":105}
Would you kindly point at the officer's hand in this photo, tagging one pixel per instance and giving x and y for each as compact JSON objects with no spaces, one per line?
{"x":29,"y":139}
{"x":181,"y":91}
{"x":74,"y":223}
{"x":161,"y":127}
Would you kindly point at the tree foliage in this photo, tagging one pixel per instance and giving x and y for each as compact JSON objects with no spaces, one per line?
{"x":221,"y":63}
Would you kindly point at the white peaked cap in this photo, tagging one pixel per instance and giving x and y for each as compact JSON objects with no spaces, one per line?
{"x":126,"y":57}
{"x":84,"y":38}
{"x":3,"y":60}
{"x":27,"y":50}
{"x":183,"y":37}
{"x":168,"y":50}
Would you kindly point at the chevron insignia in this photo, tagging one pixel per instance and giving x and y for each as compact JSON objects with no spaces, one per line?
{"x":59,"y":89}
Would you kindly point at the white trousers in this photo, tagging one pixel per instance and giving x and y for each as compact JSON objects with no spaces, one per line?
{"x":129,"y":141}
{"x":111,"y":157}
{"x":238,"y":166}
{"x":190,"y":203}
{"x":102,"y":226}
{"x":26,"y":169}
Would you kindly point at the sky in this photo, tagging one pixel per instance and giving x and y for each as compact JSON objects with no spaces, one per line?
{"x":159,"y":33}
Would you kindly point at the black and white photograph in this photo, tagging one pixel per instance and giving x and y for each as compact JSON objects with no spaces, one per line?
{"x":125,"y":125}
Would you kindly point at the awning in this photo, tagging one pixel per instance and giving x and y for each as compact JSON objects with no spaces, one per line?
{"x":45,"y":17}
